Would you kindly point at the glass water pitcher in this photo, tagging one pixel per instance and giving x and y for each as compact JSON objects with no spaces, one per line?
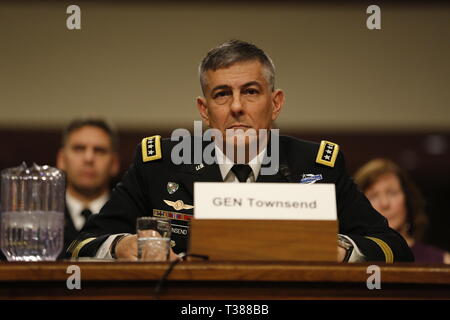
{"x":32,"y":213}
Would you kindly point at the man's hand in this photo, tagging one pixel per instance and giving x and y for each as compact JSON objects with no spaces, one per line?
{"x":341,"y":254}
{"x":126,"y":249}
{"x":173,"y":256}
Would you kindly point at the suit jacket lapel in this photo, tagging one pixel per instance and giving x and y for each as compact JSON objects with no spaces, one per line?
{"x":70,"y":232}
{"x":208,"y":173}
{"x":271,"y":178}
{"x":281,"y":175}
{"x":187,"y":174}
{"x":68,"y":221}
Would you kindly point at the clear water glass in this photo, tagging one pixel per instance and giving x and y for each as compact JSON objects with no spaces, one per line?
{"x":153,"y":237}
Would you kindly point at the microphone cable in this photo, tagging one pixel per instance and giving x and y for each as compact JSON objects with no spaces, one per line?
{"x":182,"y":256}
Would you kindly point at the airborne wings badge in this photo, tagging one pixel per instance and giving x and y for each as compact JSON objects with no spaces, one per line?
{"x":327,"y":154}
{"x":151,"y":148}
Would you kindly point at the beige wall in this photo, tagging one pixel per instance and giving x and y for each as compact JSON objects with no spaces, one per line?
{"x":137,"y":63}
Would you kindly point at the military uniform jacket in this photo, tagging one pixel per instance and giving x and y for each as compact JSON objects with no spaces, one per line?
{"x":144,"y":191}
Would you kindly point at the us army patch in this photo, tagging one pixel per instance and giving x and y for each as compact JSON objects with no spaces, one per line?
{"x":151,"y":148}
{"x":327,"y":154}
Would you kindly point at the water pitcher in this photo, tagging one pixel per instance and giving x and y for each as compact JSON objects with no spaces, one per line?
{"x":32,"y":213}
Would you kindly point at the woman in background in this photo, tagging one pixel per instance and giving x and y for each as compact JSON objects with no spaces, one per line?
{"x":393,"y":194}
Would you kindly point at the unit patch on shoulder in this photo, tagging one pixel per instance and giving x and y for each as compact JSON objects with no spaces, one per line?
{"x":151,"y":148}
{"x":327,"y":154}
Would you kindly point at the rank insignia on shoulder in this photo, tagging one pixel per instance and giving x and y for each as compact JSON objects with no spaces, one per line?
{"x":151,"y":148}
{"x":327,"y":154}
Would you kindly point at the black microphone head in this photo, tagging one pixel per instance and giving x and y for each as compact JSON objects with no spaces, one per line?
{"x":285,"y":172}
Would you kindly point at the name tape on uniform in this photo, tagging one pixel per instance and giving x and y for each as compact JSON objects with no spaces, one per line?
{"x":264,"y":201}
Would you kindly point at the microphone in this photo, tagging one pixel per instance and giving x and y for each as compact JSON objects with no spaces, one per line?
{"x":285,"y":172}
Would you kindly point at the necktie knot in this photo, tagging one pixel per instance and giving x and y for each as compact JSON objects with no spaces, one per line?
{"x":86,"y":213}
{"x":241,"y":171}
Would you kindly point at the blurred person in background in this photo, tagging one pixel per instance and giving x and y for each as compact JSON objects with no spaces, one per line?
{"x":392,"y":193}
{"x":89,"y":158}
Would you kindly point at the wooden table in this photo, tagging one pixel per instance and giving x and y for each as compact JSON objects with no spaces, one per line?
{"x":222,"y":280}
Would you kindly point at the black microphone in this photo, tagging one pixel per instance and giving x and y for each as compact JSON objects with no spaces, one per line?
{"x":285,"y":172}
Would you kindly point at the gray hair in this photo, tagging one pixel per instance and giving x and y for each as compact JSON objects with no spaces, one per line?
{"x":234,"y":51}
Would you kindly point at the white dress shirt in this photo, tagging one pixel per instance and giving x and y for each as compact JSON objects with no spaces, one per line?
{"x":76,"y":206}
{"x":226,"y":164}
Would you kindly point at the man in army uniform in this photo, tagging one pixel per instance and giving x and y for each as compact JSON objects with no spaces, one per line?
{"x":237,"y":80}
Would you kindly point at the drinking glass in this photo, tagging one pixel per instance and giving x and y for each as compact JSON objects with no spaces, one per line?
{"x":153,"y":236}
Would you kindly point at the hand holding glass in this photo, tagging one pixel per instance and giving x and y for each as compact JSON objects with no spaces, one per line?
{"x":153,"y":237}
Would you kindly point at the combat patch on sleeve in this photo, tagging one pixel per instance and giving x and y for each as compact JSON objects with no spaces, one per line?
{"x":151,"y":148}
{"x":327,"y":154}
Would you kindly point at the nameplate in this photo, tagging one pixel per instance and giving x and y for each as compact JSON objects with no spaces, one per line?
{"x":264,"y":201}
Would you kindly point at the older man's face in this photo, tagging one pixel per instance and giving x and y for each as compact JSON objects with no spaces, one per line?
{"x":239,"y":97}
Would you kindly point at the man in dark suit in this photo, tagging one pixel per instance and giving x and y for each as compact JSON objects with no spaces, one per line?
{"x":237,"y":80}
{"x":89,"y":158}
